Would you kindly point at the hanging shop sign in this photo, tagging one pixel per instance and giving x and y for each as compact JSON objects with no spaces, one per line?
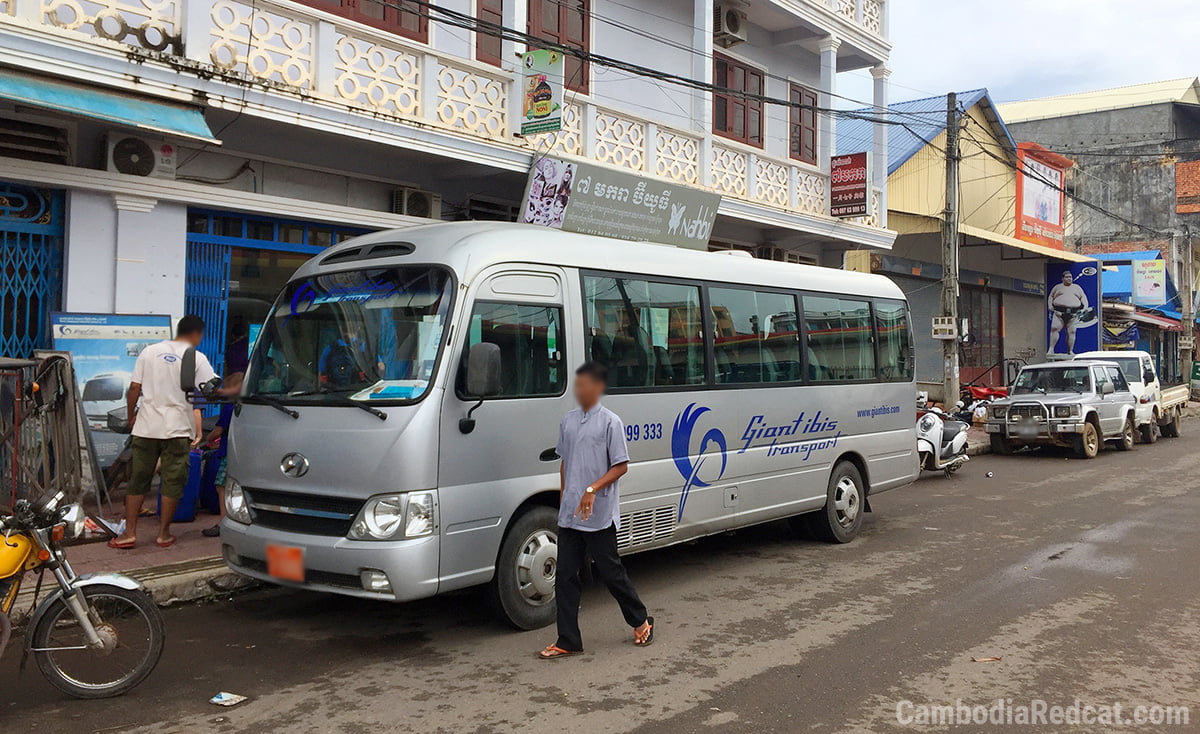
{"x":1073,"y":308}
{"x":849,"y":192}
{"x":589,"y":199}
{"x":542,"y":89}
{"x":104,"y":348}
{"x":1149,"y":282}
{"x":1040,"y":198}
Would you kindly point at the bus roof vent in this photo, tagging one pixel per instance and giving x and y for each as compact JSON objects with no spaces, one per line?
{"x":370,"y":252}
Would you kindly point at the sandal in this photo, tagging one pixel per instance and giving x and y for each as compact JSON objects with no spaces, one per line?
{"x":553,"y":652}
{"x":124,"y":545}
{"x":649,"y":634}
{"x":165,"y":543}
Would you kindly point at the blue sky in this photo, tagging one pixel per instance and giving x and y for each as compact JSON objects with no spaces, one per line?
{"x":1021,"y":49}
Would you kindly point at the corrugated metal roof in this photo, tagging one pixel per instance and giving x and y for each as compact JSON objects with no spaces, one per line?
{"x":1185,"y":90}
{"x":1119,"y":256}
{"x":924,"y":119}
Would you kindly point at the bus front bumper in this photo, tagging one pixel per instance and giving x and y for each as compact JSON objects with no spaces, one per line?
{"x":337,"y":565}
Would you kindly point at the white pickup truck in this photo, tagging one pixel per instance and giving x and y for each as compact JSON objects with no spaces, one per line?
{"x":1158,"y":408}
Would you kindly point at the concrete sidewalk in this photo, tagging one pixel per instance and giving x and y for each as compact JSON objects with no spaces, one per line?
{"x":189,"y":570}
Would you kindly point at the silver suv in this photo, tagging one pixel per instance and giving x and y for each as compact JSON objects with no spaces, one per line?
{"x":1078,"y":404}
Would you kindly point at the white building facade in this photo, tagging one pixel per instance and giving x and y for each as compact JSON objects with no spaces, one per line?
{"x":173,"y":156}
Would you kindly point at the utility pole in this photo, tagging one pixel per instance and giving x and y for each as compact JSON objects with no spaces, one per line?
{"x":950,"y":255}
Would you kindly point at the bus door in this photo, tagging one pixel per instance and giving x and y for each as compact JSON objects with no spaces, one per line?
{"x":509,"y":454}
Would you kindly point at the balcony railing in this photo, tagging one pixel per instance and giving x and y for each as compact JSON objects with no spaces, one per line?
{"x":294,"y":47}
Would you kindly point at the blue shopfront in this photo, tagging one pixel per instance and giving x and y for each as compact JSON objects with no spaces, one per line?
{"x":236,"y":264}
{"x":31,"y":259}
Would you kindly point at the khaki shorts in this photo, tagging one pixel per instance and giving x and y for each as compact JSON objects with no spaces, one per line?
{"x":147,"y":452}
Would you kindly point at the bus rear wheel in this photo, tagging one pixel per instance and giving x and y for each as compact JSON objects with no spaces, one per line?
{"x":841,"y":518}
{"x":522,"y":591}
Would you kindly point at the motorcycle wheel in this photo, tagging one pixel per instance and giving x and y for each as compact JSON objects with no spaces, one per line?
{"x":131,"y":628}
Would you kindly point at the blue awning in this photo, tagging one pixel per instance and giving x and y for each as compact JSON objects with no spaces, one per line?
{"x":176,"y":120}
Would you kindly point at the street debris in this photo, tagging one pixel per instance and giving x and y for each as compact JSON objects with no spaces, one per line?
{"x":985,"y":660}
{"x":224,"y":698}
{"x":989,"y":475}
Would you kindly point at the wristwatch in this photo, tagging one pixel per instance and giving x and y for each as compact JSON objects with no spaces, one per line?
{"x":590,"y":490}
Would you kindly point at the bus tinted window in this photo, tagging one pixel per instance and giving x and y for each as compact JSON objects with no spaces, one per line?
{"x":838,"y":334}
{"x":647,"y":333}
{"x":529,"y":338}
{"x":755,"y":336}
{"x":895,"y":350}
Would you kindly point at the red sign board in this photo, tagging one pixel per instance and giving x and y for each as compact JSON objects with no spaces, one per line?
{"x":849,"y":193}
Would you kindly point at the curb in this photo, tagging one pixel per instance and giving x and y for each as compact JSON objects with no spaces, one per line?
{"x":171,"y":583}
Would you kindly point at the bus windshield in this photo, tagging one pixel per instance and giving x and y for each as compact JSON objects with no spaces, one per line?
{"x":368,"y":335}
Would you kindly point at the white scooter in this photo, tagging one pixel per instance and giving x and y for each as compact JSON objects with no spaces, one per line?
{"x":941,"y":440}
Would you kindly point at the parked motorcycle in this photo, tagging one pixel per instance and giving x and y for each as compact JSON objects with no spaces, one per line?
{"x":96,"y":635}
{"x":941,"y":440}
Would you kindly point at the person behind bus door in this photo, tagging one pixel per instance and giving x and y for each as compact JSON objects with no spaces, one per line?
{"x":343,"y":361}
{"x":231,"y":386}
{"x":1067,"y":302}
{"x":591,"y":443}
{"x":162,"y":424}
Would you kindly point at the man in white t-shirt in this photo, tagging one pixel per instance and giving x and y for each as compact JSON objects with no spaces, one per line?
{"x":163,"y":427}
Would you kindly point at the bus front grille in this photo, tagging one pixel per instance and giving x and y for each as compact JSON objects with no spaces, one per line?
{"x":302,"y":513}
{"x":646,"y":526}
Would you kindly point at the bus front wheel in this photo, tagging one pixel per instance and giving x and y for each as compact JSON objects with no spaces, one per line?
{"x":841,"y":518}
{"x":522,"y":591}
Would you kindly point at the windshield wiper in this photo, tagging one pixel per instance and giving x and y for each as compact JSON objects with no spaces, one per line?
{"x":343,"y":400}
{"x":274,"y":403}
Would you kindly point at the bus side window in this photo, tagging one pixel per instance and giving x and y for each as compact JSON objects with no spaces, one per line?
{"x":755,"y":336}
{"x":529,"y":337}
{"x":840,"y":342}
{"x":892,"y":337}
{"x":647,"y":333}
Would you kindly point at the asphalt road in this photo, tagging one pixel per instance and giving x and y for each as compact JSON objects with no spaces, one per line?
{"x":1083,"y":577}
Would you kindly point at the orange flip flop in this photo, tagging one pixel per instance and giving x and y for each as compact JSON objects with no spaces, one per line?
{"x":555,"y":652}
{"x":165,"y":544}
{"x":127,"y":545}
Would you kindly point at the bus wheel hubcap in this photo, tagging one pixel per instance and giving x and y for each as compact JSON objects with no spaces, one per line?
{"x":845,"y":501}
{"x":537,"y":563}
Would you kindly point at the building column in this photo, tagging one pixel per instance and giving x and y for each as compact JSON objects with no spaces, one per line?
{"x":879,"y":174}
{"x":825,"y":127}
{"x":702,"y":65}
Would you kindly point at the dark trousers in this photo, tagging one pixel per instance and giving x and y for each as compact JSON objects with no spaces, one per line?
{"x":574,"y":546}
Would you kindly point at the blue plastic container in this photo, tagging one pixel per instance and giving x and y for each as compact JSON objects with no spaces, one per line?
{"x":191,"y":490}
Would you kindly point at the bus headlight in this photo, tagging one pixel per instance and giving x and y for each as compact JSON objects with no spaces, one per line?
{"x":395,"y":516}
{"x":236,"y":508}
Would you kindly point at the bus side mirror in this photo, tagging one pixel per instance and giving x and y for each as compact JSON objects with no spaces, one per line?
{"x":483,"y":379}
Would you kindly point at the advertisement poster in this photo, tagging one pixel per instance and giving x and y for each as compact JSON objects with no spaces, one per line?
{"x":1150,"y":282}
{"x":848,"y":189}
{"x":104,"y":348}
{"x":1073,"y":305}
{"x":1040,"y":197}
{"x":542,"y":88}
{"x":588,"y":199}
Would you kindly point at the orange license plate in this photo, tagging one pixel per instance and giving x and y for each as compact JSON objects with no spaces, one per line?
{"x":286,"y":562}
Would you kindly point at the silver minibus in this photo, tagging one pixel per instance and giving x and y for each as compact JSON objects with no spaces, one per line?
{"x":395,"y":436}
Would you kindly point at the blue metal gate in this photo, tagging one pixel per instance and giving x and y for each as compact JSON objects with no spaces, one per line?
{"x":207,"y":294}
{"x":31,"y":255}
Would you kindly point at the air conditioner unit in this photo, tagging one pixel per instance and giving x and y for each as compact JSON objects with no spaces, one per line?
{"x":136,"y":156}
{"x":729,"y":26}
{"x":413,"y":202}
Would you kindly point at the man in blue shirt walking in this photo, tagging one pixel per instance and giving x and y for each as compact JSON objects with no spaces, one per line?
{"x":591,"y":444}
